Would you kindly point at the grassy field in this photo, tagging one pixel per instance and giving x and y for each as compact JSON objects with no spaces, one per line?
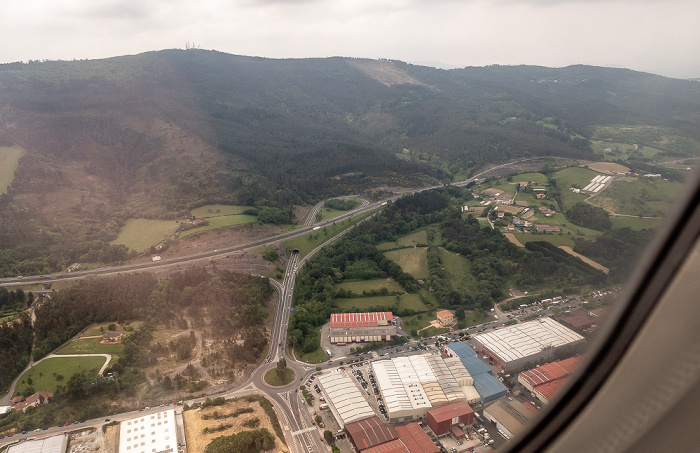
{"x":46,"y":375}
{"x":358,"y":286}
{"x":458,"y":270}
{"x":411,"y":240}
{"x":573,"y":176}
{"x":99,"y":329}
{"x":411,"y":301}
{"x":653,"y":197}
{"x":141,"y":234}
{"x":272,"y":378}
{"x":417,"y":322}
{"x":9,"y":159}
{"x":310,"y":241}
{"x":318,"y":356}
{"x":216,"y":210}
{"x":413,"y":261}
{"x":635,"y":223}
{"x":92,"y":346}
{"x":535,"y":178}
{"x":222,"y":221}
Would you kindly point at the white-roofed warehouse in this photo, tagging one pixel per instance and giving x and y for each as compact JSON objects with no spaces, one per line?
{"x":515,"y":346}
{"x":53,"y":444}
{"x":344,"y":398}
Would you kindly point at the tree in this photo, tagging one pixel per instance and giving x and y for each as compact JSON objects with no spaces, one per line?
{"x":328,"y":436}
{"x":282,"y":369}
{"x":459,"y":314}
{"x":318,"y":419}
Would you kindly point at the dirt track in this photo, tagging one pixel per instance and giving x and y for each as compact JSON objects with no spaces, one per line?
{"x":511,"y":237}
{"x":568,"y":250}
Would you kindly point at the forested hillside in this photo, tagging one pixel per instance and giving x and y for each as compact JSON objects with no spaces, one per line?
{"x":157,"y":134}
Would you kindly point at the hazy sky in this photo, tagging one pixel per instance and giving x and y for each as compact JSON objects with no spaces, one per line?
{"x":658,"y":36}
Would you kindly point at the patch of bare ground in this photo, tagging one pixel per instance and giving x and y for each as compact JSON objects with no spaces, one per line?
{"x":87,"y":441}
{"x":511,"y":237}
{"x":607,"y":167}
{"x":197,"y":439}
{"x":111,"y":439}
{"x":384,"y":72}
{"x":586,"y":260}
{"x":301,"y":213}
{"x":216,"y":239}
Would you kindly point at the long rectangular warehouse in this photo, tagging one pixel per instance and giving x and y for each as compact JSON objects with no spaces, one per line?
{"x":347,"y":320}
{"x":517,"y":345}
{"x":344,"y":398}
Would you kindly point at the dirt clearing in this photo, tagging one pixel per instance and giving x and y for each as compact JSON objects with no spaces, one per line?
{"x":195,"y":424}
{"x":568,"y":250}
{"x":608,"y":167}
{"x":511,"y":237}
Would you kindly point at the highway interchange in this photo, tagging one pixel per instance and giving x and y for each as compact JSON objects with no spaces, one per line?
{"x":299,"y":429}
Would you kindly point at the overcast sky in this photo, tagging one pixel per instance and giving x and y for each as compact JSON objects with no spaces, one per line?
{"x":658,"y":36}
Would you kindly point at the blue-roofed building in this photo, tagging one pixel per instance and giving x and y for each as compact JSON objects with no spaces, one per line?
{"x":459,"y":349}
{"x":489,"y":387}
{"x":468,"y":357}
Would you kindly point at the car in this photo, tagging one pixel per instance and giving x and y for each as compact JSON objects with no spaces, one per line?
{"x":106,"y":419}
{"x":297,"y":414}
{"x":10,"y":435}
{"x":61,"y":425}
{"x":24,"y":432}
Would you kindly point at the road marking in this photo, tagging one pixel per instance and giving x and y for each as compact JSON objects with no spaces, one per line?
{"x":305,"y":430}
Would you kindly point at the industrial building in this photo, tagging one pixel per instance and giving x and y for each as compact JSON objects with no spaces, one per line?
{"x":368,"y":433}
{"x":346,"y":402}
{"x":53,"y":444}
{"x":487,"y":386}
{"x":361,"y":327}
{"x":401,"y":390}
{"x":545,"y":380}
{"x":509,"y":416}
{"x":515,"y":346}
{"x":152,"y":433}
{"x":415,"y":439}
{"x":444,"y":419}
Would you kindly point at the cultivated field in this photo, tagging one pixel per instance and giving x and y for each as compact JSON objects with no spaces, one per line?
{"x":49,"y":373}
{"x":195,"y":424}
{"x":635,"y":223}
{"x":141,"y":234}
{"x":413,"y":261}
{"x":9,"y":159}
{"x":216,"y":210}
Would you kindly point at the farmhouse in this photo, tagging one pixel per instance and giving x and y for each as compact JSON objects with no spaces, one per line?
{"x":492,"y":192}
{"x":112,"y":337}
{"x":445,"y":317}
{"x":37,"y":399}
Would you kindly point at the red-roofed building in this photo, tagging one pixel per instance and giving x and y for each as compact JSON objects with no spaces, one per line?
{"x":544,"y":381}
{"x":445,"y":317}
{"x":369,"y":433}
{"x":394,"y":446}
{"x":415,"y":439}
{"x":443,"y":419}
{"x":349,"y":320}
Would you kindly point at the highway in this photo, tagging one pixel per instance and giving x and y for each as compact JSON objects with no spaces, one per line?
{"x":299,"y":429}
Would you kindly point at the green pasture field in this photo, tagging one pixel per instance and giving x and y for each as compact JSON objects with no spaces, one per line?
{"x":310,"y":241}
{"x":410,"y":240}
{"x":458,"y":271}
{"x":535,"y":178}
{"x":222,"y":221}
{"x":413,"y":261}
{"x":568,"y":177}
{"x":410,"y":301}
{"x":358,"y":286}
{"x":635,"y":223}
{"x":417,"y":322}
{"x":653,"y":197}
{"x":327,"y":213}
{"x":94,"y":329}
{"x":141,"y":234}
{"x":44,"y":374}
{"x":9,"y":159}
{"x":216,"y":210}
{"x":92,"y":346}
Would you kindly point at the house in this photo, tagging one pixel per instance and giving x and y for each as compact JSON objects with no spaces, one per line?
{"x":540,"y":196}
{"x":16,"y":400}
{"x":501,"y":215}
{"x":510,"y":227}
{"x":37,"y":399}
{"x":551,"y":229}
{"x":445,"y":317}
{"x":504,"y":200}
{"x":112,"y":337}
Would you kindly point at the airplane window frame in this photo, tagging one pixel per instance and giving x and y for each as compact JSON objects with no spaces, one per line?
{"x":655,"y":271}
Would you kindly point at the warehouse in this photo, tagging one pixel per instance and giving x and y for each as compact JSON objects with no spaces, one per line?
{"x":411,"y":439}
{"x":509,"y":416}
{"x":53,"y":444}
{"x":346,"y":402}
{"x":153,"y":433}
{"x":361,"y":327}
{"x":402,"y":392}
{"x":544,"y":381}
{"x":488,"y":387}
{"x":368,"y":433}
{"x":349,"y":320}
{"x":443,"y":419}
{"x":516,"y":346}
{"x":464,"y":379}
